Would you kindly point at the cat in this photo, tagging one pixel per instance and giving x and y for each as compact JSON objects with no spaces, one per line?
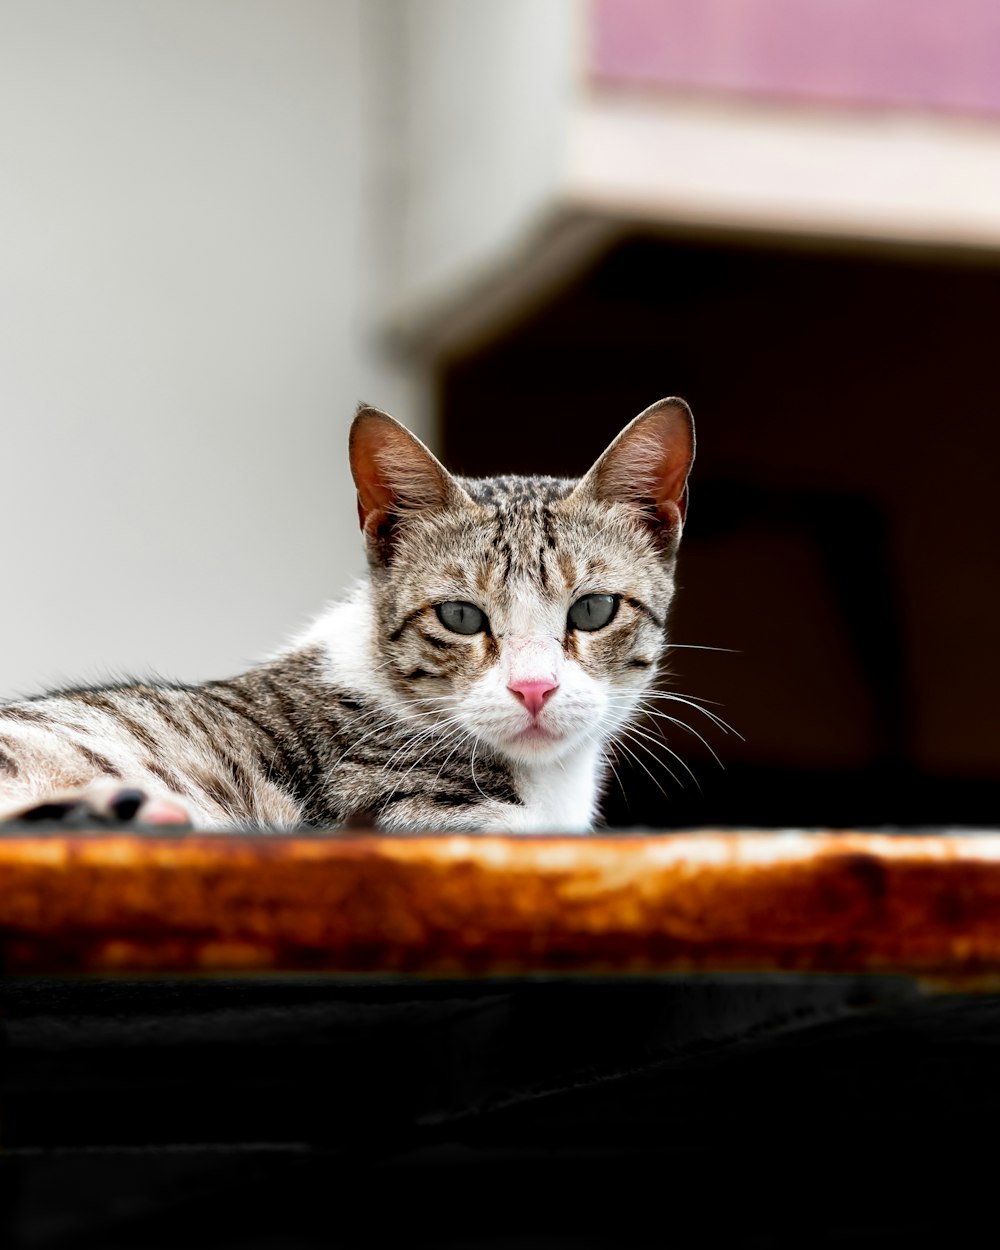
{"x":508,"y":627}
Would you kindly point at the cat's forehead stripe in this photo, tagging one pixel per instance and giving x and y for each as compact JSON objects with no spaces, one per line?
{"x":507,"y":492}
{"x":523,"y":535}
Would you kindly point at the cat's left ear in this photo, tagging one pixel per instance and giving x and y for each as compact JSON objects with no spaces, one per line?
{"x":395,"y":474}
{"x":647,"y":466}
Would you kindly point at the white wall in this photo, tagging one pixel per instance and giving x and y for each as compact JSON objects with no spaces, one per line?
{"x":491,"y":90}
{"x":213,"y":215}
{"x":185,"y":259}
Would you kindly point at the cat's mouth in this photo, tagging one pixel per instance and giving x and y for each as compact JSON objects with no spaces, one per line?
{"x":535,"y":744}
{"x":535,"y":733}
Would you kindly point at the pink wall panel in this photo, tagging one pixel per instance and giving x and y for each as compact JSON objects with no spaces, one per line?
{"x":940,"y":54}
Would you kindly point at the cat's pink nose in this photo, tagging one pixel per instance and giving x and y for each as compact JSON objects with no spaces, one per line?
{"x":533,"y":693}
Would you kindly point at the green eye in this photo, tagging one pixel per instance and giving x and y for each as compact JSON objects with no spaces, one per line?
{"x":593,"y":611}
{"x":461,"y":618}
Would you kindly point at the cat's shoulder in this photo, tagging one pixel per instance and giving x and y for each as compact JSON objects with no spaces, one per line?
{"x":343,"y":638}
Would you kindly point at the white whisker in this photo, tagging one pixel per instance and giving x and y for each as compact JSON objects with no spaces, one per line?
{"x":656,"y":783}
{"x":634,"y":729}
{"x":694,"y":646}
{"x":475,"y":782}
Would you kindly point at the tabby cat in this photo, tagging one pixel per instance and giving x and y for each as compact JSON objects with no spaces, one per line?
{"x":508,"y":627}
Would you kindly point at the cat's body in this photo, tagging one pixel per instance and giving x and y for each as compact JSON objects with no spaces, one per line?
{"x":509,"y":627}
{"x":303,"y":740}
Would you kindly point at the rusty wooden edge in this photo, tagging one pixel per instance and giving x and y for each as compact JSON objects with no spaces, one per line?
{"x":445,"y":905}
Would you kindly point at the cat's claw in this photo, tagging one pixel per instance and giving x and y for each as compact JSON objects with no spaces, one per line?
{"x":101,"y":805}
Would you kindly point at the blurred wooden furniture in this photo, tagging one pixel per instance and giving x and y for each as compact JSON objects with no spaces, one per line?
{"x":921,"y":906}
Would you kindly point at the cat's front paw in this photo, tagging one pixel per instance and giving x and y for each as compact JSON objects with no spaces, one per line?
{"x":101,"y":805}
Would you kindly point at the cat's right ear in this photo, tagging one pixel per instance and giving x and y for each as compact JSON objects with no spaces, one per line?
{"x":395,"y":474}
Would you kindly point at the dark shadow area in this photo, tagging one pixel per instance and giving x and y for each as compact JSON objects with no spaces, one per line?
{"x":842,"y":542}
{"x":744,"y":1112}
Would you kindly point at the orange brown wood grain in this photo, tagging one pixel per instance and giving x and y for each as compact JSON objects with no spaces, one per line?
{"x":448,"y":905}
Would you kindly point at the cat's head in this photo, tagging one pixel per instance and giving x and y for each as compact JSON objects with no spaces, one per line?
{"x":528,"y":611}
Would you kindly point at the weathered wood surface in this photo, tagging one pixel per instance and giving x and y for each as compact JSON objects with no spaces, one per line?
{"x":926,"y":906}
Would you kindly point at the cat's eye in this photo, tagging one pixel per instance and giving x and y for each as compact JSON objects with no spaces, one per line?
{"x":461,"y":618}
{"x":593,"y":611}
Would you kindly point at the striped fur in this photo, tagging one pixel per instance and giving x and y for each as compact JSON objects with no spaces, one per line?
{"x":379,"y":713}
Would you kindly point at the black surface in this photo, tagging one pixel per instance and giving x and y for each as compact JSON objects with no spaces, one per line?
{"x":745,"y":1112}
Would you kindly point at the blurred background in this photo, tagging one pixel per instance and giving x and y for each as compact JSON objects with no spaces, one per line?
{"x":223,"y":223}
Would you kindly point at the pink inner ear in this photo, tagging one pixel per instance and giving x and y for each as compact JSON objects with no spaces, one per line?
{"x":392,"y":469}
{"x":650,"y":460}
{"x":370,"y":433}
{"x":374,"y":494}
{"x":671,"y":479}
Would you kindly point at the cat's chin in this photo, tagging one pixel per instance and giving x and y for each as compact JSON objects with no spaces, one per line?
{"x":536,"y":745}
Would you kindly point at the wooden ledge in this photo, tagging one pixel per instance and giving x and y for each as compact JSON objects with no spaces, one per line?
{"x":445,"y":905}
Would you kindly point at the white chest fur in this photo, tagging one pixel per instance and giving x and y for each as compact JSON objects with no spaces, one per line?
{"x":559,"y":797}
